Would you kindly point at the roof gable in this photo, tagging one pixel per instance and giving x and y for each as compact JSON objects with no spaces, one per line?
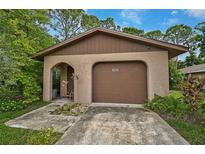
{"x":173,"y":50}
{"x":101,"y":43}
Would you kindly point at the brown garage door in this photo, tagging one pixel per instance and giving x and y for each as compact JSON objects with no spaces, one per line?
{"x":120,"y":82}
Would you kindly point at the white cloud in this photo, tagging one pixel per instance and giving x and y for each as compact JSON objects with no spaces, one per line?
{"x":170,"y":21}
{"x":132,"y":15}
{"x":197,"y":13}
{"x":125,"y":24}
{"x":174,"y":12}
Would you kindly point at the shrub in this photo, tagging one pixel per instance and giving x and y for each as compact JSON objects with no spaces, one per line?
{"x":172,"y":105}
{"x":46,"y":136}
{"x":6,"y":105}
{"x":29,"y":86}
{"x":175,"y":76}
{"x":192,"y":89}
{"x":9,"y":93}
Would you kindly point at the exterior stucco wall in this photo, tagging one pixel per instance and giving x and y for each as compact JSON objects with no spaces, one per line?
{"x":157,"y":72}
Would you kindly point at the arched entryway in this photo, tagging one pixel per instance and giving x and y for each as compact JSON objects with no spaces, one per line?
{"x":62,"y":81}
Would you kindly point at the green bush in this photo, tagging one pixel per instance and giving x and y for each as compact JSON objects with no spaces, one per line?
{"x":172,"y":105}
{"x":9,"y":105}
{"x":175,"y":76}
{"x":192,"y":90}
{"x":47,"y":136}
{"x":9,"y":93}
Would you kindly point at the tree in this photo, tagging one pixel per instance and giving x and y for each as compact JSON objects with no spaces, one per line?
{"x":108,"y":23}
{"x":199,"y":41}
{"x":155,"y":34}
{"x":89,"y":21}
{"x":180,"y":64}
{"x":200,"y":38}
{"x":134,"y":31}
{"x":180,"y":35}
{"x":118,"y":28}
{"x":8,"y":69}
{"x":66,"y":23}
{"x":192,"y":59}
{"x":23,"y":33}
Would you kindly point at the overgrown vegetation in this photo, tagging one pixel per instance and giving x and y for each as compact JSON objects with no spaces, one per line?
{"x":184,"y":110}
{"x":187,"y":105}
{"x":22,"y":34}
{"x":175,"y":76}
{"x":43,"y":137}
{"x":171,"y":106}
{"x":194,"y":134}
{"x":192,"y":89}
{"x":73,"y":109}
{"x":6,"y":105}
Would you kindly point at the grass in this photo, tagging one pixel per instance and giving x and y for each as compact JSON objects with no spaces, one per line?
{"x":19,"y":136}
{"x":193,"y":133}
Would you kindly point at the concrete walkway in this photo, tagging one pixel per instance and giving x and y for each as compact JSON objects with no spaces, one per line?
{"x":42,"y":119}
{"x":120,"y":125}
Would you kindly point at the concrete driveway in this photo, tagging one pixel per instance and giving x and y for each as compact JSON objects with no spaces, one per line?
{"x":120,"y":125}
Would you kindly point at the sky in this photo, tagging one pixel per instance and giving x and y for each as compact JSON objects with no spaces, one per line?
{"x":151,"y":19}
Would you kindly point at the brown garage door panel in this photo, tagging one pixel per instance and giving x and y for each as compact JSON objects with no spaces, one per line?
{"x":120,"y":82}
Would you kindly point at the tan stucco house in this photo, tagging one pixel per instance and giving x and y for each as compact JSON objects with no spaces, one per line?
{"x":103,"y":65}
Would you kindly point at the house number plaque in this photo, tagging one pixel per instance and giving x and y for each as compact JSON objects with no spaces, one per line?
{"x":115,"y":69}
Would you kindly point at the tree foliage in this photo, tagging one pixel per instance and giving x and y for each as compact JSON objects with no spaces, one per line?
{"x":22,"y":34}
{"x":134,"y":31}
{"x":200,"y":39}
{"x":179,"y":34}
{"x":89,"y":21}
{"x":175,"y":76}
{"x":183,"y":35}
{"x":192,"y":59}
{"x":66,"y":23}
{"x":155,"y":34}
{"x":108,"y":23}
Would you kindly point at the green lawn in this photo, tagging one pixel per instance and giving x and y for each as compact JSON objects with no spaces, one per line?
{"x":10,"y":135}
{"x":193,"y":133}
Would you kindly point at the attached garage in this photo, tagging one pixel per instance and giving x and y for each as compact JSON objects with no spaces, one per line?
{"x":109,"y":66}
{"x":120,"y":82}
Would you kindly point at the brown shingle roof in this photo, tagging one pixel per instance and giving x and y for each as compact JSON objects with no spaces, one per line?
{"x":173,"y":48}
{"x":194,"y":69}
